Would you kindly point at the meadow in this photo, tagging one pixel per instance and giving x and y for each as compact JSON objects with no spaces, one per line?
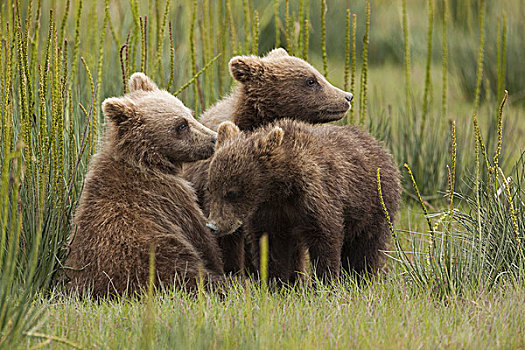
{"x":439,"y":81}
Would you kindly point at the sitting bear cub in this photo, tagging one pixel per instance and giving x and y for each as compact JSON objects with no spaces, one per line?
{"x":134,"y":198}
{"x":309,"y":188}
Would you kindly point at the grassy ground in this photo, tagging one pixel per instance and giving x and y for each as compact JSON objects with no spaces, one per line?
{"x":455,"y":281}
{"x":386,"y":313}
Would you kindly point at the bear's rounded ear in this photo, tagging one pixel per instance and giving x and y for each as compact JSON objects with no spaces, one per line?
{"x":140,"y":81}
{"x":227,"y":131}
{"x":246,"y":68}
{"x":279,"y":52}
{"x":118,"y":109}
{"x":271,"y":141}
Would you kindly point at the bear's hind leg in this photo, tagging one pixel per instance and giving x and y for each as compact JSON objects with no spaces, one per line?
{"x":362,"y":251}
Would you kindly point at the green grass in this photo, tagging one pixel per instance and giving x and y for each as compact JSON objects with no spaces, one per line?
{"x":458,"y":283}
{"x":384,"y":313}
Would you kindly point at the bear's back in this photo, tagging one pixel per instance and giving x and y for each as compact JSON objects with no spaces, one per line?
{"x":347,"y":159}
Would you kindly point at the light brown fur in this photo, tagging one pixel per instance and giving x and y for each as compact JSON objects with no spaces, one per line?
{"x":134,"y":198}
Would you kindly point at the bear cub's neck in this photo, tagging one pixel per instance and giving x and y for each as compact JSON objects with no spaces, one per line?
{"x":143,"y":162}
{"x":246,"y":115}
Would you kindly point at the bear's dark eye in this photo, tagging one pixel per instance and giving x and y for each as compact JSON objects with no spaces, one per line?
{"x":231,"y":195}
{"x":310,"y":82}
{"x":183,"y":125}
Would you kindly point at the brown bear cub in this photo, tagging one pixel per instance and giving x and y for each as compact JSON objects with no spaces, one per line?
{"x":277,"y":86}
{"x":269,"y":88}
{"x":134,"y":198}
{"x":309,"y":188}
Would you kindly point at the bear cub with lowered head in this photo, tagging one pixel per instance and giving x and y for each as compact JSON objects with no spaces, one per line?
{"x":268,"y":88}
{"x":309,"y":188}
{"x":134,"y":198}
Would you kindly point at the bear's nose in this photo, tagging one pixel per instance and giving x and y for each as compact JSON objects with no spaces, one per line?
{"x":214,"y":140}
{"x":349,"y":97}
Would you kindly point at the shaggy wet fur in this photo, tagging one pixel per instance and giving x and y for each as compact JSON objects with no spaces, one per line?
{"x":270,"y":88}
{"x":134,"y":198}
{"x":309,"y":188}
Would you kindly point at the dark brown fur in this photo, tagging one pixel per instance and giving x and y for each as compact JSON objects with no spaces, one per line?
{"x":134,"y":198}
{"x":309,"y":188}
{"x":270,"y":88}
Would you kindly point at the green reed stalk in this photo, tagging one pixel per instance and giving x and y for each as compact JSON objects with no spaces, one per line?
{"x":136,"y":35}
{"x":4,"y":198}
{"x":151,"y":18}
{"x":477,"y":132}
{"x":477,"y":189}
{"x":233,"y":31}
{"x":99,"y":75}
{"x":479,"y":73}
{"x":264,"y":252}
{"x":444,"y":72}
{"x":453,"y":164}
{"x":123,"y":68}
{"x":407,"y":61}
{"x":43,"y":135}
{"x":62,"y":93}
{"x":15,"y":228}
{"x":223,"y":47}
{"x":211,"y":48}
{"x":511,"y":205}
{"x":246,"y":27}
{"x":306,"y":43}
{"x":24,"y":109}
{"x":323,"y":37}
{"x":354,"y":64}
{"x":93,"y":93}
{"x":160,"y":39}
{"x":76,"y":42}
{"x":428,"y":77}
{"x":55,"y":109}
{"x":36,"y":38}
{"x":364,"y":71}
{"x":500,"y":130}
{"x":277,"y":23}
{"x":196,"y":75}
{"x":172,"y":58}
{"x":4,"y":91}
{"x":287,"y":24}
{"x":383,"y":206}
{"x":300,"y":37}
{"x":193,"y":55}
{"x":64,"y":20}
{"x":347,"y":50}
{"x":255,"y":39}
{"x":144,"y":41}
{"x":420,"y":199}
{"x":306,"y":29}
{"x":113,"y":32}
{"x":71,"y":137}
{"x":203,"y":29}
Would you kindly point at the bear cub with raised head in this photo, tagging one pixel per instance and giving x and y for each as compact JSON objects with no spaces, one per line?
{"x":309,"y":188}
{"x":274,"y":87}
{"x":269,"y":88}
{"x":134,"y":198}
